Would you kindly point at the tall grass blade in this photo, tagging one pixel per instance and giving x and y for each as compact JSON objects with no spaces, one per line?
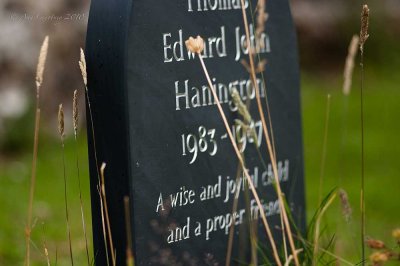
{"x":317,"y":227}
{"x":324,"y":148}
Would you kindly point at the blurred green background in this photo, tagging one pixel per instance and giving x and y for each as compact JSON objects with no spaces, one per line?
{"x":324,"y":28}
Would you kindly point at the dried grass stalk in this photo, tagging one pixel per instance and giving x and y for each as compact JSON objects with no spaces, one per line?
{"x":39,"y":80}
{"x":75,"y":117}
{"x":61,"y":131}
{"x":271,"y":149}
{"x":363,"y":37}
{"x":28,"y":227}
{"x":82,"y":66}
{"x":107,"y":217}
{"x":103,"y":224}
{"x":130,"y":261}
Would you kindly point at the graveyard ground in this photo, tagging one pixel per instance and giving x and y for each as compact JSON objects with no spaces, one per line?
{"x":342,"y":170}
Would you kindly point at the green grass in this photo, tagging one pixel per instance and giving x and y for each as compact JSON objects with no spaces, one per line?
{"x":342,"y":170}
{"x":381,"y":101}
{"x":48,"y":205}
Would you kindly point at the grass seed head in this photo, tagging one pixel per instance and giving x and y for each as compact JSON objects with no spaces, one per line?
{"x":61,"y":121}
{"x":75,"y":112}
{"x":378,"y":258}
{"x":364,"y":26}
{"x":349,"y":67}
{"x":396,"y":234}
{"x":375,"y":244}
{"x":41,"y":62}
{"x":242,"y":109}
{"x":346,"y":207}
{"x":82,"y":66}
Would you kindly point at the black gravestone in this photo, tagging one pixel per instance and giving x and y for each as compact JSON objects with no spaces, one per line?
{"x":158,"y":129}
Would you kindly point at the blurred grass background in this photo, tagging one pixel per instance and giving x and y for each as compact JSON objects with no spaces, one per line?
{"x":343,"y":163}
{"x":323,"y":48}
{"x":48,"y":207}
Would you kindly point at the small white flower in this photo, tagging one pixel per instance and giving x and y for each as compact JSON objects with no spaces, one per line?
{"x":195,"y":45}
